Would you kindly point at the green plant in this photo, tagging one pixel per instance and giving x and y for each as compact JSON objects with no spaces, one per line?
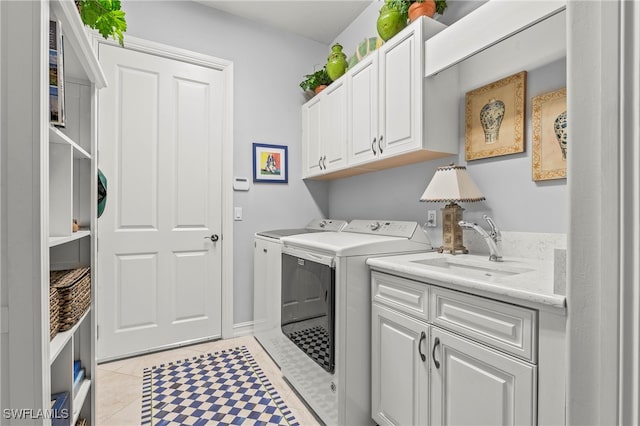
{"x":316,"y":79}
{"x":104,"y":16}
{"x":402,"y":6}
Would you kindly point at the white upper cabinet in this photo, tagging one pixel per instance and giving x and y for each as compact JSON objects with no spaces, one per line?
{"x":393,"y":115}
{"x":324,"y":131}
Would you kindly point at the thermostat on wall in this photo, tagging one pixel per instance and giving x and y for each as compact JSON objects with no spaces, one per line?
{"x":240,"y":183}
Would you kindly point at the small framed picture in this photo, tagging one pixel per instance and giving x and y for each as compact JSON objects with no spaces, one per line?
{"x":494,"y":118}
{"x":549,"y":122}
{"x":270,"y":163}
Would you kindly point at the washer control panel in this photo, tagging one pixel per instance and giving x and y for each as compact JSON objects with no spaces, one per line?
{"x":391,"y":228}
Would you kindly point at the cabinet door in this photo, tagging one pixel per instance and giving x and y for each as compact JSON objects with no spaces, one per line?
{"x":311,"y":138}
{"x":399,"y":376}
{"x":333,"y":126}
{"x":363,"y":111}
{"x":400,"y":91}
{"x":473,"y":384}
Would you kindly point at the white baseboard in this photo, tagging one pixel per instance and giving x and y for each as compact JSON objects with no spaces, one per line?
{"x":243,"y":329}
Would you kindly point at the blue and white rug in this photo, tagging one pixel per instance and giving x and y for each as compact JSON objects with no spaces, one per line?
{"x":227,"y":387}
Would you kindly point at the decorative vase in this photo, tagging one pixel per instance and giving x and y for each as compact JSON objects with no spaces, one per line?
{"x":320,"y":88}
{"x":425,"y":8}
{"x":491,"y":116}
{"x":560,"y":128}
{"x":390,"y":22}
{"x":336,"y":62}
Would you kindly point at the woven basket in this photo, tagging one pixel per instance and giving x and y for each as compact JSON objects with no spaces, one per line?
{"x":74,"y":294}
{"x":54,"y":312}
{"x":82,"y":422}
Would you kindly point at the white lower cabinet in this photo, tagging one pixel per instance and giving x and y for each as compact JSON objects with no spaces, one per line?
{"x":423,"y":374}
{"x":475,"y":385}
{"x":400,"y":377}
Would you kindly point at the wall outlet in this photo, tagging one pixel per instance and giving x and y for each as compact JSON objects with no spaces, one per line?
{"x":431,"y":218}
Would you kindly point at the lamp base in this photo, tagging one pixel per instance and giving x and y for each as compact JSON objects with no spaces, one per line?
{"x":451,"y":231}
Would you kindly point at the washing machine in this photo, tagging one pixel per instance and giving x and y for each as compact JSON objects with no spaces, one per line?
{"x":326,"y":313}
{"x":266,"y":281}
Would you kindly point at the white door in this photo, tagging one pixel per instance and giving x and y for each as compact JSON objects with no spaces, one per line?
{"x":399,"y":376}
{"x":159,"y":139}
{"x":333,"y":118}
{"x":472,"y":384}
{"x":311,"y":138}
{"x":400,"y":93}
{"x":363,"y":110}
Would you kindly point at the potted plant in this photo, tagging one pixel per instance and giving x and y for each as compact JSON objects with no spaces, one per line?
{"x":393,"y":18}
{"x":316,"y":81}
{"x":104,"y":16}
{"x":426,"y":8}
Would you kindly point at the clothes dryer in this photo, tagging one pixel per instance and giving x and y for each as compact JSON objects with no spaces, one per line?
{"x":326,"y":313}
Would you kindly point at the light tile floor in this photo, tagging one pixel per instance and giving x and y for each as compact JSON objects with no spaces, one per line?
{"x":119,"y":383}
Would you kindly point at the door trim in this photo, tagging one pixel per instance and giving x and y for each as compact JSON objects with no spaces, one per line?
{"x":188,"y":56}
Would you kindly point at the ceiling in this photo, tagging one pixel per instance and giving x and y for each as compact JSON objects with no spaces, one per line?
{"x":319,"y":20}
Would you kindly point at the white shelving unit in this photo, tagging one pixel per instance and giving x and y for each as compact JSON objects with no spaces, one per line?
{"x":51,"y":180}
{"x":72,"y":197}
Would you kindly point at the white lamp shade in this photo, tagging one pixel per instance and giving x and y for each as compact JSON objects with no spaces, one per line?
{"x":451,"y":184}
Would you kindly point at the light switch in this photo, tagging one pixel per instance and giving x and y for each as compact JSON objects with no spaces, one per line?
{"x":237,"y":213}
{"x":431,"y":218}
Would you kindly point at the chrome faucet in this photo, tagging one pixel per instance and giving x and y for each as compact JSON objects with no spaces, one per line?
{"x":492,"y":238}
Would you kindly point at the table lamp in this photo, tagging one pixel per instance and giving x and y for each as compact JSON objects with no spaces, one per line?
{"x":452,"y":184}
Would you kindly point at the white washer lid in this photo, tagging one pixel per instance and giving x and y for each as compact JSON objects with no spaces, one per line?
{"x":353,"y":244}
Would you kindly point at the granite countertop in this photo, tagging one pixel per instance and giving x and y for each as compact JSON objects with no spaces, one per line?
{"x":529,"y":282}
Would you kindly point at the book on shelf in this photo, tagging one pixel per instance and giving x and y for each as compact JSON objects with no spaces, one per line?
{"x":56,"y":75}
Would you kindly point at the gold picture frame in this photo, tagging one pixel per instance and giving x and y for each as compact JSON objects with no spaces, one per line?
{"x":494,"y":118}
{"x":549,"y":123}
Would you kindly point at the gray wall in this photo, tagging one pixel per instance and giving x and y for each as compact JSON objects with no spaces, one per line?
{"x":513,"y":199}
{"x":268,"y":65}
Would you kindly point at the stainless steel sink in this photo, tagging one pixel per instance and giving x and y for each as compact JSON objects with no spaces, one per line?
{"x":462,"y":267}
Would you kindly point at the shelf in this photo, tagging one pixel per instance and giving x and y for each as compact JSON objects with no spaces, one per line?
{"x":81,"y":60}
{"x":56,"y":136}
{"x":79,"y":398}
{"x":492,"y":23}
{"x":56,"y":241}
{"x":61,"y":339}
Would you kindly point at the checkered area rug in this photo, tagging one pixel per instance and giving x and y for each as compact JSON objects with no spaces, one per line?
{"x":224,"y":388}
{"x":315,"y":342}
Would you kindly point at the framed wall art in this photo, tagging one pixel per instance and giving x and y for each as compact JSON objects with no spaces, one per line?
{"x":270,"y":163}
{"x":494,"y":118}
{"x":549,"y":123}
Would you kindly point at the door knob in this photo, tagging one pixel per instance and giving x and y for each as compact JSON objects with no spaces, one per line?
{"x":213,"y":238}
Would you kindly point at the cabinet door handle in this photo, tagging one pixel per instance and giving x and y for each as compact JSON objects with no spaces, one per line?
{"x":436,"y":342}
{"x":324,"y":162}
{"x":320,"y":162}
{"x":423,"y":336}
{"x":373,"y":146}
{"x":380,"y":144}
{"x":213,"y":238}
